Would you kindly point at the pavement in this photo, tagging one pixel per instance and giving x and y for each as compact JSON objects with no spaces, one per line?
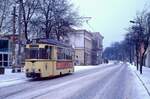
{"x":143,"y":78}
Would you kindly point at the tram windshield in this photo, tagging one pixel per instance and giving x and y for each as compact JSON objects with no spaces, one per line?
{"x":38,"y":53}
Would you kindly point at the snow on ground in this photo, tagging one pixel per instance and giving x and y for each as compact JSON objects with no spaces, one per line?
{"x":10,"y":78}
{"x":143,"y":81}
{"x":80,"y":83}
{"x":93,"y":82}
{"x":82,"y":68}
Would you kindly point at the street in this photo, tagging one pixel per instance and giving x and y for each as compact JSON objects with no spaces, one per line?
{"x":106,"y":82}
{"x":72,"y":49}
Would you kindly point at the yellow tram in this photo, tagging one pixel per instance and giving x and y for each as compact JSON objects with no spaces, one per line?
{"x":47,"y":58}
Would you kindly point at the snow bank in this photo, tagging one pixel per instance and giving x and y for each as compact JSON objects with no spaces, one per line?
{"x":82,"y":68}
{"x":10,"y":78}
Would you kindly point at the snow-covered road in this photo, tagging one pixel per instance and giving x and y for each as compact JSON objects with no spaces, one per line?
{"x":103,"y":82}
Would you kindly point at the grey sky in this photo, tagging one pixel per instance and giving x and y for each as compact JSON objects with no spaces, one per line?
{"x":110,"y":17}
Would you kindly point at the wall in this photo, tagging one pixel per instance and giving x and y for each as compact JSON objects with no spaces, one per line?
{"x":147,"y":60}
{"x":79,"y":56}
{"x":97,"y":48}
{"x":82,"y":42}
{"x":77,"y":39}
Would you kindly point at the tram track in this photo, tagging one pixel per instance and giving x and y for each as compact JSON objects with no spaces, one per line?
{"x":32,"y":85}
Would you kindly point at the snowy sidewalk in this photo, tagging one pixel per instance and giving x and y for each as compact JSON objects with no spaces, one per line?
{"x":144,"y":78}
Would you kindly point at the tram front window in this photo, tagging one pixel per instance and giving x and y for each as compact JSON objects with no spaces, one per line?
{"x":38,"y":53}
{"x":43,"y":53}
{"x":31,"y":53}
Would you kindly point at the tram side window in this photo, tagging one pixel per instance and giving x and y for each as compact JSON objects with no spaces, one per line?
{"x":49,"y":52}
{"x":45,"y":53}
{"x":60,"y":53}
{"x":27,"y":55}
{"x":68,"y":54}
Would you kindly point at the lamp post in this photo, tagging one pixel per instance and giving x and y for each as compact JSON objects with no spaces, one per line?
{"x":136,"y":40}
{"x":140,"y":40}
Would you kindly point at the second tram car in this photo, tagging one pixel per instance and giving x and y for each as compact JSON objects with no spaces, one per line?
{"x":47,"y":58}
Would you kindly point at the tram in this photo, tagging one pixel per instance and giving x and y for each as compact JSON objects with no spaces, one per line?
{"x":47,"y":58}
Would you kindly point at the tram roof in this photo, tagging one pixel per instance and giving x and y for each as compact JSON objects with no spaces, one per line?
{"x":52,"y":42}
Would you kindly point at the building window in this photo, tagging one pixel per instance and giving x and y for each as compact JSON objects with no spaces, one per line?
{"x":4,"y":45}
{"x":0,"y":57}
{"x":1,"y":63}
{"x":5,"y":63}
{"x":5,"y":57}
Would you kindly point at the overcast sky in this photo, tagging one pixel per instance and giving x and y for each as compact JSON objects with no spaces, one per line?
{"x":110,"y":17}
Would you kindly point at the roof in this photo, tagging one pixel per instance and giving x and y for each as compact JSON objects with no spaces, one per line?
{"x":97,"y":34}
{"x":50,"y":41}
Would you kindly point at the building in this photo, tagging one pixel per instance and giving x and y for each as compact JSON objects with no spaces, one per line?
{"x":8,"y":50}
{"x":5,"y":52}
{"x":81,"y":40}
{"x":87,"y":45}
{"x":97,"y":48}
{"x":147,"y":58}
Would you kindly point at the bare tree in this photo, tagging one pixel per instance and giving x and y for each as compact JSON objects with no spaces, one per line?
{"x":56,"y":17}
{"x":28,"y":11}
{"x":141,"y":35}
{"x":145,"y":40}
{"x":5,"y":6}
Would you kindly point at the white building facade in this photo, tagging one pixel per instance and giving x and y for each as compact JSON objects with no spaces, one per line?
{"x":85,"y":48}
{"x":81,"y":41}
{"x":147,"y":59}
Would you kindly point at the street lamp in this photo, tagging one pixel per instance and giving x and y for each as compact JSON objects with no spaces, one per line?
{"x":136,"y":39}
{"x":131,"y":21}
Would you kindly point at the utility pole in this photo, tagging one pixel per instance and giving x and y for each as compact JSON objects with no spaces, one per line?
{"x":19,"y":38}
{"x":13,"y":40}
{"x":14,"y":22}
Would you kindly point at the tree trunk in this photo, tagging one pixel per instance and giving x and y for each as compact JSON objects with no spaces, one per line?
{"x":137,"y":57}
{"x":141,"y":63}
{"x":46,"y":29}
{"x":137,"y":62}
{"x":130,"y":55}
{"x":47,"y":34}
{"x":26,"y":30}
{"x":58,"y":35}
